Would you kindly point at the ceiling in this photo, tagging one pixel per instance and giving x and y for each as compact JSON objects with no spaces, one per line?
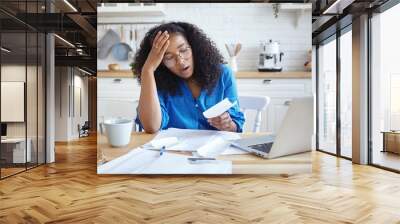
{"x":332,"y":15}
{"x":72,"y":20}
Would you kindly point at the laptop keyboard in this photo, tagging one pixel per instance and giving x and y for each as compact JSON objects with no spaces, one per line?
{"x":265,"y":147}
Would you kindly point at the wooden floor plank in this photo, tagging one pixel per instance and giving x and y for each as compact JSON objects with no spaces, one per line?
{"x":70,"y":191}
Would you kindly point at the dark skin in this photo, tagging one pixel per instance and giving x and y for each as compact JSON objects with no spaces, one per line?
{"x":168,"y":49}
{"x":194,"y":88}
{"x":222,"y":122}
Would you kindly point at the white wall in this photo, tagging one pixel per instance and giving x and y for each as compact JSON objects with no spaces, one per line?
{"x":67,"y":80}
{"x":17,"y":73}
{"x":232,"y":22}
{"x":33,"y":126}
{"x":61,"y":103}
{"x":80,"y":83}
{"x":14,"y":73}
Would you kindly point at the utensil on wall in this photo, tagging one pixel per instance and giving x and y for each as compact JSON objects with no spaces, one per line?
{"x":106,"y":43}
{"x":136,"y":40}
{"x":132,"y":43}
{"x":101,"y":30}
{"x":238,"y":47}
{"x":140,"y":34}
{"x":121,"y":50}
{"x":233,"y":51}
{"x":132,"y":40}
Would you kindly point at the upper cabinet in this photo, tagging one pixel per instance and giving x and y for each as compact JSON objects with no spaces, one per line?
{"x":130,"y":9}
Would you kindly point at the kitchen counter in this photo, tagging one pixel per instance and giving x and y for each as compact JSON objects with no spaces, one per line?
{"x":239,"y":74}
{"x":115,"y":74}
{"x":282,"y":75}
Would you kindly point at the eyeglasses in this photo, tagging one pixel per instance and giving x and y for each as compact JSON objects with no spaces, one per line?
{"x":184,"y":53}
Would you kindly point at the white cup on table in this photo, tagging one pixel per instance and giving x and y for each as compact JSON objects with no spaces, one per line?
{"x":118,"y":131}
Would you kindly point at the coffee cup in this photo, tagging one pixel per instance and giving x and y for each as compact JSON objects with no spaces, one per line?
{"x":118,"y":131}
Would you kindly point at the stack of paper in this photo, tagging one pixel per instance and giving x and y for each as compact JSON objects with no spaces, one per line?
{"x":143,"y":161}
{"x":192,"y":140}
{"x":204,"y":143}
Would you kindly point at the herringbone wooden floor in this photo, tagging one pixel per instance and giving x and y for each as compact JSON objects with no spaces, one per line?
{"x":70,"y":191}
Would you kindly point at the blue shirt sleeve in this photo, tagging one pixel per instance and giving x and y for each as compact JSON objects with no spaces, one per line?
{"x":164,"y":113}
{"x":230,"y":91}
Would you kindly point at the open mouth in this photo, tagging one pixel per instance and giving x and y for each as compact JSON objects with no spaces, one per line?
{"x":186,"y":68}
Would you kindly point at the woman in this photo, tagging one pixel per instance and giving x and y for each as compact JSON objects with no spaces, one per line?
{"x":181,"y":75}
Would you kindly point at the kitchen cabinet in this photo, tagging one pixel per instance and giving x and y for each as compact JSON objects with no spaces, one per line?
{"x":281,"y":92}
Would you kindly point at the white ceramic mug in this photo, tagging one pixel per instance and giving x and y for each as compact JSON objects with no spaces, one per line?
{"x":118,"y":131}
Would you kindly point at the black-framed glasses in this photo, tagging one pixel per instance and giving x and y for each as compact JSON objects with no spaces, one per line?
{"x":171,"y":60}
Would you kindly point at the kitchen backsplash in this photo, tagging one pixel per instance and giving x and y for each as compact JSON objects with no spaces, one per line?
{"x":229,"y":23}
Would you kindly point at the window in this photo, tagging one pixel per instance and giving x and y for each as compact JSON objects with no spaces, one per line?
{"x":346,"y":94}
{"x":22,"y":75}
{"x":327,"y":97}
{"x":385,"y":89}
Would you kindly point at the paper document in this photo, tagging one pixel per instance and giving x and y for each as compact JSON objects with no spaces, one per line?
{"x":128,"y":162}
{"x":143,"y":161}
{"x":191,"y":140}
{"x":167,"y":142}
{"x":213,"y":148}
{"x":219,"y":108}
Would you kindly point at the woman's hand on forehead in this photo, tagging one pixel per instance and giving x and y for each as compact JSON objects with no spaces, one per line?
{"x":159,"y":47}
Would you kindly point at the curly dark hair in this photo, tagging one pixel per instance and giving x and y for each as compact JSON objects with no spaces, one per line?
{"x":206,"y":58}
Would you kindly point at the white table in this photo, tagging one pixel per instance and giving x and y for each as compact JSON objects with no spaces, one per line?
{"x":19,"y":149}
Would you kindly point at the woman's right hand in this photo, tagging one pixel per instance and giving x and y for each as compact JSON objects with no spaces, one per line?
{"x":160,"y":45}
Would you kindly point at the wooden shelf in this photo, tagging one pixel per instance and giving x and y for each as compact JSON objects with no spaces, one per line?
{"x":239,"y":74}
{"x":115,"y":74}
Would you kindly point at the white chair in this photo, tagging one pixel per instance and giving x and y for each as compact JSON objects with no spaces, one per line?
{"x":257,"y":103}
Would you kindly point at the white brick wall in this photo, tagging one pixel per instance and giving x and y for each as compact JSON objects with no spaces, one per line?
{"x":248,"y":24}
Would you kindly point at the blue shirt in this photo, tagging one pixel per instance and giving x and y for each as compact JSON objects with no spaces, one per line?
{"x":184,"y":111}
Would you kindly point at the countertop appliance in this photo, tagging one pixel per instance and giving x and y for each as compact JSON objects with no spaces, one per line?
{"x":270,"y":59}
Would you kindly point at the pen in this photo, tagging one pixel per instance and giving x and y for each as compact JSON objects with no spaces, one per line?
{"x":199,"y":159}
{"x":162,"y":150}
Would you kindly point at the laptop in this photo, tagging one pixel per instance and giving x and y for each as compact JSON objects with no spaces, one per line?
{"x":294,"y":135}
